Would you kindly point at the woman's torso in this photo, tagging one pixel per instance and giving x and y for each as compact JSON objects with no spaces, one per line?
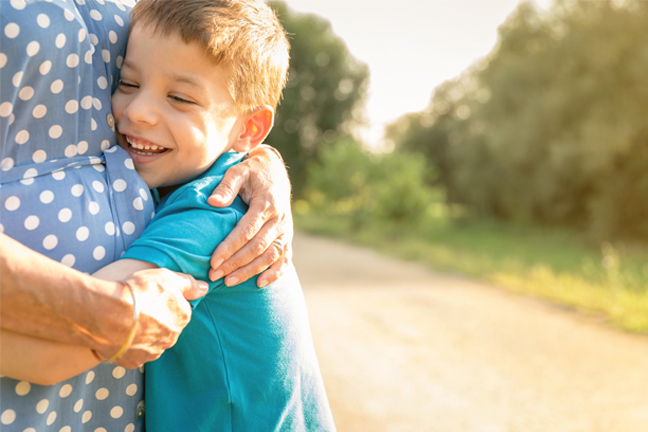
{"x":66,"y":190}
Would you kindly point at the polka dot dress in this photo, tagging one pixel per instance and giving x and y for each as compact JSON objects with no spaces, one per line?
{"x":66,"y":190}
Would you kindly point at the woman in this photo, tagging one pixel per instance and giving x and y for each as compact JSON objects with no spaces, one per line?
{"x":65,"y":198}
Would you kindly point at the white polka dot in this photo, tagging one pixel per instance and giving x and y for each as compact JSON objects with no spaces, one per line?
{"x":30,"y":173}
{"x":129,"y":163}
{"x":51,"y":418}
{"x":110,"y":228}
{"x":138,"y":204}
{"x":128,"y":228}
{"x":65,"y":429}
{"x":99,"y":253}
{"x":105,"y":144}
{"x":22,"y":137}
{"x":119,"y":372}
{"x":106,"y":55}
{"x":102,"y":393}
{"x":6,"y":164}
{"x":39,"y":156}
{"x":42,"y":406}
{"x":77,"y":189}
{"x":3,"y":60}
{"x":45,"y":67}
{"x":94,"y":40}
{"x":65,"y":391}
{"x":82,"y":35}
{"x":8,"y":416}
{"x":47,"y":196}
{"x":102,"y":82}
{"x":78,"y":405}
{"x":82,"y":233}
{"x":82,"y":147}
{"x":93,"y":207}
{"x":30,"y":430}
{"x":43,"y":20}
{"x":50,"y":242}
{"x":18,"y":4}
{"x":88,"y":57}
{"x":98,"y":186}
{"x":131,"y":390}
{"x":65,"y":215}
{"x":118,"y":63}
{"x":60,"y":40}
{"x":70,"y":151}
{"x":5,"y":109}
{"x":72,"y":61}
{"x":86,"y":102}
{"x":12,"y":203}
{"x":116,"y":412}
{"x":33,"y":48}
{"x":99,"y":167}
{"x":69,"y":261}
{"x":100,"y":430}
{"x":90,"y":377}
{"x":39,"y":111}
{"x":22,"y":388}
{"x":58,"y":174}
{"x":68,"y":15}
{"x":17,"y":79}
{"x":96,"y":15}
{"x":72,"y":106}
{"x":85,"y":418}
{"x":57,"y":86}
{"x":93,"y":125}
{"x":26,"y":93}
{"x":119,"y":185}
{"x":119,"y":21}
{"x":55,"y":132}
{"x":12,"y":30}
{"x":96,"y":103}
{"x":130,"y":427}
{"x":31,"y":223}
{"x":27,"y":181}
{"x":12,"y":119}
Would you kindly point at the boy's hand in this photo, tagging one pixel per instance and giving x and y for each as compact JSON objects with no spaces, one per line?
{"x":263,"y":236}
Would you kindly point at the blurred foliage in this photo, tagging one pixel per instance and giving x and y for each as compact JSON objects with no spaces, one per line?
{"x":325,"y":88}
{"x":348,"y":180}
{"x":551,"y":127}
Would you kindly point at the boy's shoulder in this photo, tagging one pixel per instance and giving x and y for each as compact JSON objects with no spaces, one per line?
{"x":196,"y":192}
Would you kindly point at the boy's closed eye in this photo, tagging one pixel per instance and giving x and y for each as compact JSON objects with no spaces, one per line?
{"x":126,"y":84}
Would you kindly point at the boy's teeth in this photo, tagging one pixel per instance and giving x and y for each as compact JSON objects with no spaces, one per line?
{"x":152,"y":147}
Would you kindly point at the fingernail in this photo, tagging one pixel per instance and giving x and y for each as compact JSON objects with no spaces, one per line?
{"x":219,"y":197}
{"x":203,"y":285}
{"x":262,"y":283}
{"x":217,"y":263}
{"x":231,"y":281}
{"x":215,"y":275}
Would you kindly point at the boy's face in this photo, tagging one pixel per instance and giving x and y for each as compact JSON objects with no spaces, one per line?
{"x":173,"y":111}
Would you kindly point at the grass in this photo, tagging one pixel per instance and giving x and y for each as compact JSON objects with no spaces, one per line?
{"x":607,"y":281}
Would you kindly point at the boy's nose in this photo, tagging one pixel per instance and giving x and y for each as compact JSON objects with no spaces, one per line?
{"x":141,"y":109}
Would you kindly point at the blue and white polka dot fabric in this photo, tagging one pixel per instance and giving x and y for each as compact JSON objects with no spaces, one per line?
{"x":66,"y":190}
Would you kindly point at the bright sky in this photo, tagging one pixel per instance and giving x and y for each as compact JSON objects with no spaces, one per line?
{"x":411,"y":46}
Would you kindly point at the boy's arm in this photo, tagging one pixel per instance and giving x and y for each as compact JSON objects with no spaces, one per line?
{"x":46,"y":362}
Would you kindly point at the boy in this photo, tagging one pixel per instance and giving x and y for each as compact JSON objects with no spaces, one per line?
{"x":201,"y":79}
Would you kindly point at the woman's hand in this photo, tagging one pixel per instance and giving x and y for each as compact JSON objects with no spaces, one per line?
{"x":262,"y":238}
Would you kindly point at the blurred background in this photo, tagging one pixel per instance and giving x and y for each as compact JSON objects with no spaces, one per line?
{"x":498,"y":140}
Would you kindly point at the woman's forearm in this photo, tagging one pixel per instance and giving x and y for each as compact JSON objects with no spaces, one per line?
{"x":42,"y":298}
{"x":41,"y":361}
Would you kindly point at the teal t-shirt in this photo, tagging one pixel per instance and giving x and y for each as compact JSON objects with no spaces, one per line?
{"x":245,"y":361}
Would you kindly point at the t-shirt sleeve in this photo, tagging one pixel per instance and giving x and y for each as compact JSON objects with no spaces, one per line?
{"x":184,"y":233}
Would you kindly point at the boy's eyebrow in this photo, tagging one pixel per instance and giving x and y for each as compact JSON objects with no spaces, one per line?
{"x":187,"y":79}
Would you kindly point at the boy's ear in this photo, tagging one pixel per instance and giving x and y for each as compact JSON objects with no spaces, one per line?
{"x":257,"y":127}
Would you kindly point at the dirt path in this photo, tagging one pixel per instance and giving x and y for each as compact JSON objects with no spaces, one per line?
{"x":405,"y":349}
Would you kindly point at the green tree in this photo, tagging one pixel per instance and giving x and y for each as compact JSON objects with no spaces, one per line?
{"x":325,"y":89}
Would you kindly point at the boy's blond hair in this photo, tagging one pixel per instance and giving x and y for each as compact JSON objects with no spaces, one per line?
{"x":243,"y":35}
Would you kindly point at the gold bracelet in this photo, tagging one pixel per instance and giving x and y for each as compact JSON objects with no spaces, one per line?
{"x":133,"y":329}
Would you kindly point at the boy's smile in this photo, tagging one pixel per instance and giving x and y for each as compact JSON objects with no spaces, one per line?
{"x":173,"y":110}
